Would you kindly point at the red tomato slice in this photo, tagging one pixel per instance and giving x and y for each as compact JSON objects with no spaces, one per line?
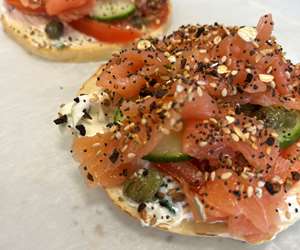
{"x":105,"y":32}
{"x":19,"y":6}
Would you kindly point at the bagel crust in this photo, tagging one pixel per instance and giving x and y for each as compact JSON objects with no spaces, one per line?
{"x":26,"y":31}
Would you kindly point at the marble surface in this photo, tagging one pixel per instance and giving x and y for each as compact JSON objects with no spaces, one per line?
{"x":44,"y":201}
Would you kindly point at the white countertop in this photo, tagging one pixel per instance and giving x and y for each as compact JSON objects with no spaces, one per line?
{"x":44,"y":201}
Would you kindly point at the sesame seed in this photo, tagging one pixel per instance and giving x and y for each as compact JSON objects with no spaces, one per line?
{"x":172,"y":59}
{"x":224,"y":92}
{"x":199,"y":91}
{"x":272,"y":84}
{"x":164,"y":130}
{"x":235,"y":137}
{"x":131,"y":155}
{"x":213,"y":120}
{"x":226,"y":175}
{"x":206,"y":175}
{"x":217,"y":40}
{"x":230,"y":119}
{"x":276,"y":178}
{"x":201,"y":83}
{"x":203,"y":143}
{"x":226,"y":131}
{"x":249,"y":71}
{"x":250,"y":191}
{"x":223,"y":59}
{"x":144,"y":121}
{"x":266,"y":77}
{"x":244,"y":176}
{"x":238,"y":132}
{"x":179,"y":88}
{"x":213,"y":175}
{"x":234,"y":72}
{"x":269,"y":70}
{"x":97,"y":144}
{"x":124,"y":148}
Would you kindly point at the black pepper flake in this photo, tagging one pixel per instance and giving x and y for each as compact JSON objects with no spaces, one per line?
{"x":86,"y":115}
{"x":295,"y":176}
{"x":153,"y":106}
{"x":167,"y":205}
{"x":60,"y":120}
{"x":90,"y":177}
{"x":249,"y":78}
{"x":125,"y":172}
{"x":145,"y":172}
{"x":272,"y":188}
{"x":199,"y":32}
{"x":183,"y":63}
{"x":213,"y":73}
{"x":160,"y":93}
{"x":141,"y":207}
{"x":270,"y":141}
{"x":237,"y":193}
{"x":81,"y":129}
{"x":152,"y":82}
{"x":200,"y":67}
{"x":145,"y":92}
{"x":77,"y":100}
{"x":114,"y":156}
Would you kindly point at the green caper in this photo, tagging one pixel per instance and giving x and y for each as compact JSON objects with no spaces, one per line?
{"x":144,"y":187}
{"x":54,"y":29}
{"x":278,"y":118}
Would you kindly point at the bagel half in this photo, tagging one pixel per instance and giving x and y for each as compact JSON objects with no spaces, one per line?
{"x":28,"y":31}
{"x":189,"y":227}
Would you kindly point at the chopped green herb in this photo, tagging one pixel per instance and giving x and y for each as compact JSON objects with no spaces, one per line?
{"x":118,"y":115}
{"x":165,"y":203}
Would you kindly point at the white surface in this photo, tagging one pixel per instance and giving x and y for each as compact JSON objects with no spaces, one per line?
{"x":44,"y":201}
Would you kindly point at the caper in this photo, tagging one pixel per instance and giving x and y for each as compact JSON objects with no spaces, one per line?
{"x":144,"y":187}
{"x":54,"y":29}
{"x":278,"y":118}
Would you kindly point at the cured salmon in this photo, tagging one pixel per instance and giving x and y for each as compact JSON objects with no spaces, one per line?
{"x":64,"y":9}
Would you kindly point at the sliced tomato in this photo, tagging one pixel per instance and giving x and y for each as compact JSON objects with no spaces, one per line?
{"x":106,"y":32}
{"x":19,"y":6}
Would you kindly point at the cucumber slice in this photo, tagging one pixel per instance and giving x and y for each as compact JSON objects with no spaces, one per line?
{"x":290,"y":136}
{"x":285,"y":122}
{"x":169,"y":150}
{"x":112,"y":10}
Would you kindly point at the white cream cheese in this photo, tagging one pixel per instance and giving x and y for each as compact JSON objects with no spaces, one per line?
{"x":88,"y":111}
{"x":293,"y":209}
{"x":33,"y":27}
{"x":164,"y":216}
